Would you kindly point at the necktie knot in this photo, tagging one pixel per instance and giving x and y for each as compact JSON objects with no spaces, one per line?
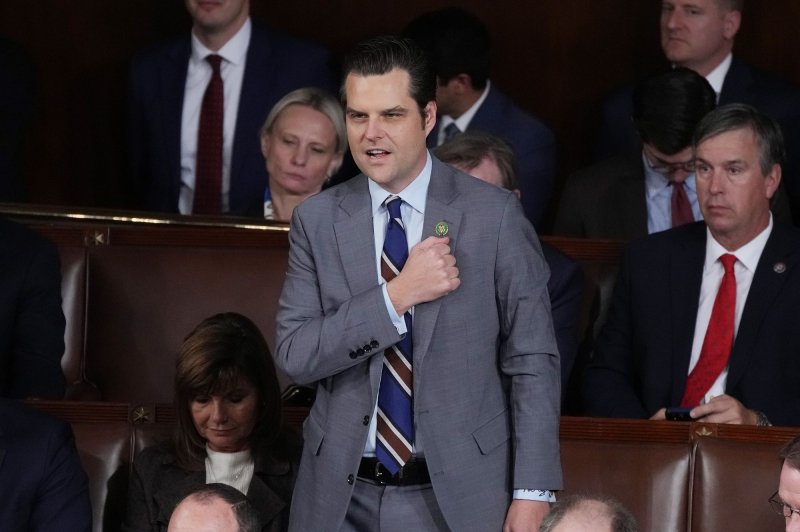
{"x":393,"y":205}
{"x":215,"y":61}
{"x":451,"y":131}
{"x":728,"y":261}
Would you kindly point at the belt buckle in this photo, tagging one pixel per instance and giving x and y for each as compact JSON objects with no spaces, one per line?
{"x":381,"y":475}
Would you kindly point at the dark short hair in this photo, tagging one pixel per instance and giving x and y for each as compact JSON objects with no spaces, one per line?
{"x":735,"y":116}
{"x":381,"y":55}
{"x":469,"y":149}
{"x":243,"y":510}
{"x":668,"y":106}
{"x":216,"y":355}
{"x":621,"y":518}
{"x":790,"y":453}
{"x":457,"y":42}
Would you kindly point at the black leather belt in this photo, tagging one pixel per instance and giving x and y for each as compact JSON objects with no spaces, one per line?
{"x":414,"y":472}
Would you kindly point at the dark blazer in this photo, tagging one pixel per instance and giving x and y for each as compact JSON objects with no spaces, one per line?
{"x":743,"y":84}
{"x":565,"y":287}
{"x":42,"y":484}
{"x":31,"y":319}
{"x":276,"y":64}
{"x":605,"y":200}
{"x":532,"y":141}
{"x":157,"y":485}
{"x":641,"y":359}
{"x":486,"y":377}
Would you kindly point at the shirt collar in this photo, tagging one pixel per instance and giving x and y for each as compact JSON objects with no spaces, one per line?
{"x":415,"y":194}
{"x":717,"y":76}
{"x":463,"y":121}
{"x":655,"y":183}
{"x":748,"y":255}
{"x":234,"y":51}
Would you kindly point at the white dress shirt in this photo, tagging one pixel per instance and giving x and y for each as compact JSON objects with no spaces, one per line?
{"x":716,"y":78}
{"x":198,"y":74}
{"x":658,"y":198}
{"x":745,"y":266}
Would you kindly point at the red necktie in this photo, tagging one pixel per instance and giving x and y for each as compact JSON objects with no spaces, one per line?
{"x":208,"y":170}
{"x":718,"y":341}
{"x":681,"y":208}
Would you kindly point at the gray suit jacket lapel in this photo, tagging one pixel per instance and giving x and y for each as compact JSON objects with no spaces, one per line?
{"x":442,"y":191}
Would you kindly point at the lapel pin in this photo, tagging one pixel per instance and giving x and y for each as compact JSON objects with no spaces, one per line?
{"x":441,"y":229}
{"x":779,"y":267}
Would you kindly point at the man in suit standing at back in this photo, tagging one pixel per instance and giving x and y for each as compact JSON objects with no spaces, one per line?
{"x":461,"y":49}
{"x":704,"y":315}
{"x":436,"y":368}
{"x":196,"y":104}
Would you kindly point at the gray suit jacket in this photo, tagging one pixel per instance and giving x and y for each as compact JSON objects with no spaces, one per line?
{"x":486,"y":368}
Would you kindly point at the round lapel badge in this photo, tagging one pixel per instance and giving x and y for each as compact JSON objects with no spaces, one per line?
{"x":779,"y":267}
{"x":441,"y":229}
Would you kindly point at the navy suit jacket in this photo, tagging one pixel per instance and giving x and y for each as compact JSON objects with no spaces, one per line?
{"x":276,"y":64}
{"x":641,"y":358}
{"x":532,"y":141}
{"x":565,"y":287}
{"x":31,"y":319}
{"x":42,"y":484}
{"x":743,"y":84}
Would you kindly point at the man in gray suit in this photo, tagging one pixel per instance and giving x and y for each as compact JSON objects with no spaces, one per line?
{"x":480,"y":374}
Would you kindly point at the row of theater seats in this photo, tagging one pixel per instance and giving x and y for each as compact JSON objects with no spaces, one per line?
{"x":673,"y":476}
{"x":134,"y":286}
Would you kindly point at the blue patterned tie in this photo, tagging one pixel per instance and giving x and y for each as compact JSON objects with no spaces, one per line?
{"x":395,"y":412}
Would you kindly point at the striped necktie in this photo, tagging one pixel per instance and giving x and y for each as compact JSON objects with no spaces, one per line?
{"x":395,"y":432}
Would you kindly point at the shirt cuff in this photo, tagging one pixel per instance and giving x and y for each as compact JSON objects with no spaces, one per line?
{"x":397,"y":320}
{"x":535,"y":495}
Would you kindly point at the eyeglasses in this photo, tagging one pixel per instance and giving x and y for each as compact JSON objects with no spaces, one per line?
{"x":781,"y":508}
{"x":665,"y":168}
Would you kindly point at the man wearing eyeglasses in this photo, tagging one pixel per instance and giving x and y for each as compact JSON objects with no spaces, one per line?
{"x":652,"y":189}
{"x":704,"y":316}
{"x":786,"y":501}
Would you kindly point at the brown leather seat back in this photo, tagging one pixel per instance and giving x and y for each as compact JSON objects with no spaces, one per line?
{"x":73,"y":302}
{"x":144,"y":300}
{"x":733,"y":480}
{"x":105,"y":453}
{"x":650,"y":479}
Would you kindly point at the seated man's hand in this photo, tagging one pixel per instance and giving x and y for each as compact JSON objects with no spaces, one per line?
{"x":660,"y":415}
{"x":724,"y":409}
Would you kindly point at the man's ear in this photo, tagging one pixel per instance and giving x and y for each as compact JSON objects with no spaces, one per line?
{"x":772,"y":180}
{"x":429,"y":116}
{"x":731,"y":23}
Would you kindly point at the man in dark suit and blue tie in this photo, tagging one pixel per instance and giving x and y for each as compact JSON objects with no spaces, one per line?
{"x":704,"y":316}
{"x":167,"y":90}
{"x":481,"y":376}
{"x":460,"y":47}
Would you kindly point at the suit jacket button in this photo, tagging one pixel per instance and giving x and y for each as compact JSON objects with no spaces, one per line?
{"x":365,"y":420}
{"x":360,"y":351}
{"x":353,"y":354}
{"x":350,"y":479}
{"x":373,"y":344}
{"x":367,"y":348}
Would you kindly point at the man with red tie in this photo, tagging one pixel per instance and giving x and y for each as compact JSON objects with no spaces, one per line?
{"x":703,"y":316}
{"x":197,"y":102}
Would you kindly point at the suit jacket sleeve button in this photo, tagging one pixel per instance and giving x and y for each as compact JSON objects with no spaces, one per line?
{"x":365,"y":420}
{"x":353,"y":354}
{"x":360,"y":351}
{"x":367,"y":348}
{"x":373,"y":344}
{"x":350,"y":479}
